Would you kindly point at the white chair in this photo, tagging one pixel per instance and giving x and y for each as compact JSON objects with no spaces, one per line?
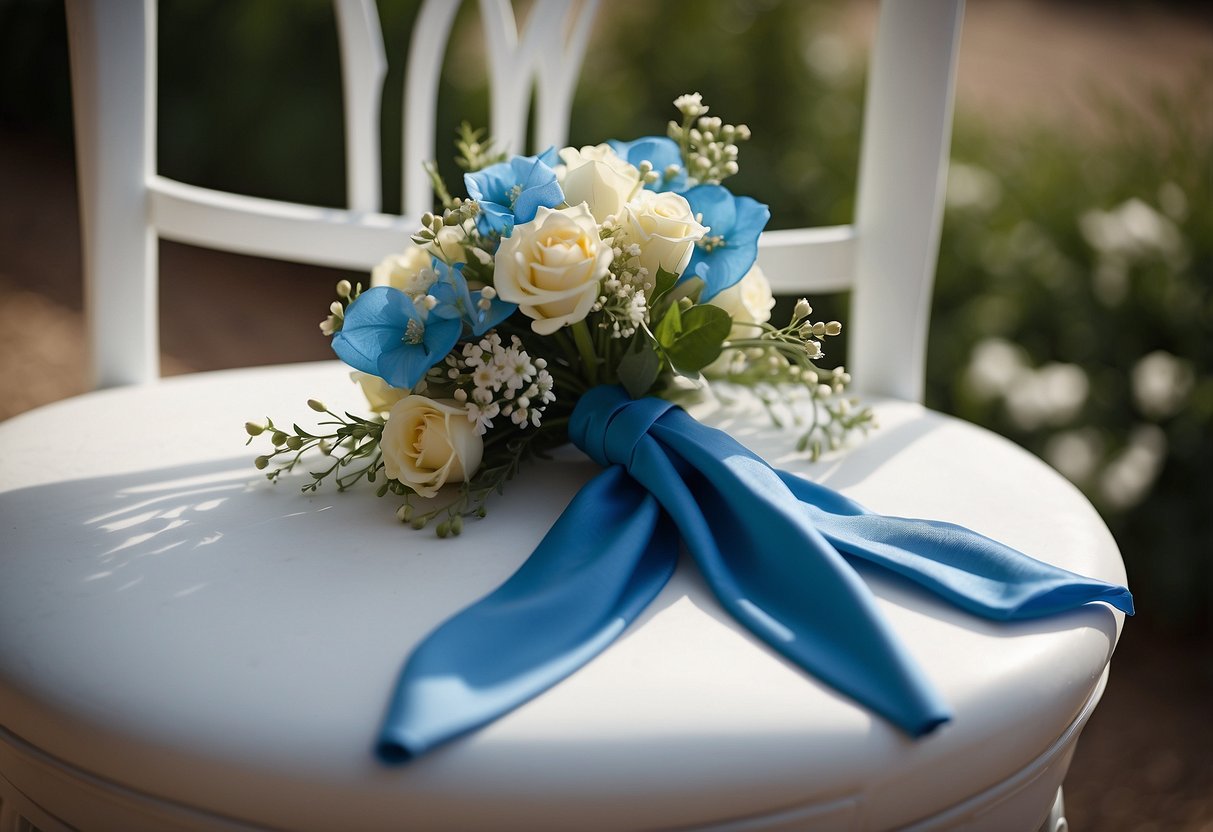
{"x":185,"y":646}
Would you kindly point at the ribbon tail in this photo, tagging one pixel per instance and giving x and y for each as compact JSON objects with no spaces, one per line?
{"x":608,"y":555}
{"x":980,"y":575}
{"x":778,"y":575}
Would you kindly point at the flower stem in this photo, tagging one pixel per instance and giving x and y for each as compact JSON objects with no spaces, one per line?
{"x":585,"y":346}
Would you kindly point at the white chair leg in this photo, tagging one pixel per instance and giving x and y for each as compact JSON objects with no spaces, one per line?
{"x":1056,"y":821}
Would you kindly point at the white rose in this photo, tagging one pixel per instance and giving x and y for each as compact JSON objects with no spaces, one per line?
{"x":664,"y":228}
{"x":380,"y":395}
{"x":411,"y":272}
{"x":551,"y":266}
{"x":749,"y":300}
{"x":599,"y":178}
{"x":427,"y":443}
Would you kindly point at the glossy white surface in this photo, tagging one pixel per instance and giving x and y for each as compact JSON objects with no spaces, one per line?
{"x":176,"y":625}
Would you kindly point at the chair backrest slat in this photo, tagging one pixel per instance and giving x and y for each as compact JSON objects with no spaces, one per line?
{"x":269,"y":228}
{"x":887,"y":256}
{"x":113,"y":56}
{"x":899,"y":208}
{"x":363,"y":68}
{"x":427,"y":46}
{"x":808,"y":261}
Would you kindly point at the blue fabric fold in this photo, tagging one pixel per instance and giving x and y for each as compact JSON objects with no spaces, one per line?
{"x":776,"y":550}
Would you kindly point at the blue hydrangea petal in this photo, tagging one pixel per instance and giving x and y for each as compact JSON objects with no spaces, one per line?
{"x":498,"y":311}
{"x":539,"y":187}
{"x":372,"y":337}
{"x":455,"y":300}
{"x":717,"y":205}
{"x":740,"y":221}
{"x":493,"y":187}
{"x":374,"y":323}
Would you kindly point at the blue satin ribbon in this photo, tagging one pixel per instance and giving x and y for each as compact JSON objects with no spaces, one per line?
{"x":777,"y":551}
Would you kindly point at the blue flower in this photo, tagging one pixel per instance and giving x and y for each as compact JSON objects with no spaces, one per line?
{"x":386,"y":335}
{"x":511,"y":192}
{"x":661,"y":153}
{"x":451,"y":291}
{"x":730,"y":247}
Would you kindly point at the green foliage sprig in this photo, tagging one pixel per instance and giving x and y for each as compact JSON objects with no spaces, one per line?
{"x":351,"y":440}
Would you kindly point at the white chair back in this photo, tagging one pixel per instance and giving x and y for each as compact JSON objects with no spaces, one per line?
{"x":887,"y":256}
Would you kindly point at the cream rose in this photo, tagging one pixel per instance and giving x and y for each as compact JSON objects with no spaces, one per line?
{"x":551,"y":266}
{"x":749,"y":300}
{"x":380,"y":395}
{"x":664,"y":228}
{"x":448,"y":245}
{"x":597,"y":176}
{"x":411,"y":271}
{"x":427,"y":443}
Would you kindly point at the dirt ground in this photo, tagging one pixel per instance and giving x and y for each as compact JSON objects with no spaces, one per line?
{"x":1145,"y":761}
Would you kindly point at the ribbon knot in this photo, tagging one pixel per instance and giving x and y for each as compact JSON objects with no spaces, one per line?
{"x":608,"y":424}
{"x":776,"y":550}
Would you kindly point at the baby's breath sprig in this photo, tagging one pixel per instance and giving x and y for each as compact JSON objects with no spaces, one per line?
{"x":708,"y":145}
{"x":350,"y":441}
{"x":623,"y":298}
{"x":493,"y":378}
{"x":774,"y":358}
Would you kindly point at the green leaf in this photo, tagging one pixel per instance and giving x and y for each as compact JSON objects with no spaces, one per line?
{"x":640,"y":366}
{"x":702,"y":329}
{"x":669,"y":327}
{"x":663,"y":283}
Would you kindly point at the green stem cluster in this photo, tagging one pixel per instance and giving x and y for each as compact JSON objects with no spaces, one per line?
{"x":352,"y":440}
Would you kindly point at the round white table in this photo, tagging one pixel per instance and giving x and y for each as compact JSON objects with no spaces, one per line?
{"x":184,"y":645}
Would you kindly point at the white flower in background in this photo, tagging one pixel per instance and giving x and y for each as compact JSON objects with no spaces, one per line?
{"x":972,"y":187}
{"x":829,"y":56}
{"x":664,"y":228}
{"x":994,"y":367}
{"x":411,"y":272}
{"x":1126,"y":480}
{"x":1133,"y":229}
{"x":1161,"y":383}
{"x":427,"y":443}
{"x":1051,"y":395}
{"x":597,"y":176}
{"x":380,"y":395}
{"x":749,"y":300}
{"x":1075,"y":453}
{"x":551,"y":267}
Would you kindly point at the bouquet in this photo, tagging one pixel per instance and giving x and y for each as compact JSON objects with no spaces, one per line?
{"x":624,"y":263}
{"x":571,"y":296}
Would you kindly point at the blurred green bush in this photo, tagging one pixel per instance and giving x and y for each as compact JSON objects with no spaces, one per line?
{"x":1073,"y":310}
